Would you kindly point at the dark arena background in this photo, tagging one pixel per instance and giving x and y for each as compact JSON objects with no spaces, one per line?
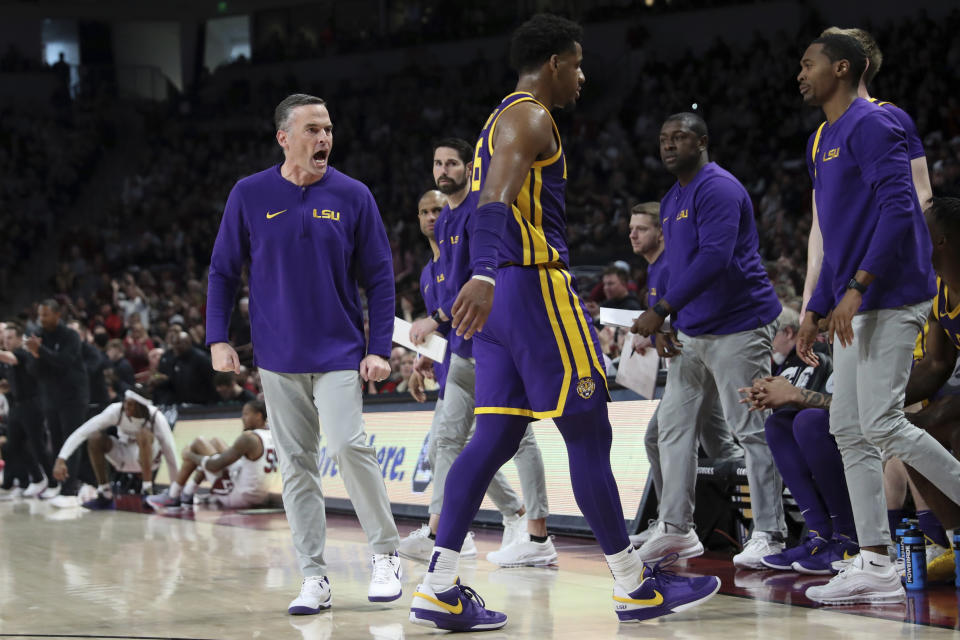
{"x":124,"y":124}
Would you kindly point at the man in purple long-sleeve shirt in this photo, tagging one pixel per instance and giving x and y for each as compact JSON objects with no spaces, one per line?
{"x":876,"y":283}
{"x":310,"y":236}
{"x":726,"y":312}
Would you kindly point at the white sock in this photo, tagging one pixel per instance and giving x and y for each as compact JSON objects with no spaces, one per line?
{"x":442,"y":572}
{"x":627,"y":568}
{"x":174,"y":489}
{"x":191,"y":487}
{"x":105,"y":489}
{"x":147,"y":487}
{"x":875,"y":562}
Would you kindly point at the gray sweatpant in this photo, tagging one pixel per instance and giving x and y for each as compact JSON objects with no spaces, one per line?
{"x":713,"y":367}
{"x":715,"y":438}
{"x":866,"y":416}
{"x":454,"y":428}
{"x":295,"y":401}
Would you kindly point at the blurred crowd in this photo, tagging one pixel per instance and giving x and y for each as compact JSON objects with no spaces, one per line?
{"x":134,"y":281}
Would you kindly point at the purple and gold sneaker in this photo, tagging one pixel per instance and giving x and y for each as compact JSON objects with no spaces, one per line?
{"x":819,"y":563}
{"x":662,"y":592}
{"x":784,"y":561}
{"x":459,"y":608}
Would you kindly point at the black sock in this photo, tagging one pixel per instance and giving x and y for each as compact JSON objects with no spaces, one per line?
{"x":538,"y":539}
{"x":432,"y":536}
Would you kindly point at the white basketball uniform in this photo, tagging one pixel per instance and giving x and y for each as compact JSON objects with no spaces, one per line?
{"x":246,"y":483}
{"x":124,"y":455}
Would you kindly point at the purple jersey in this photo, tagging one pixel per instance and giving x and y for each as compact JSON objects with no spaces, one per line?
{"x":948,"y":318}
{"x":452,"y":235}
{"x":536,"y":232}
{"x":430,"y":291}
{"x":868,"y":211}
{"x":538,"y":354}
{"x":657,"y":278}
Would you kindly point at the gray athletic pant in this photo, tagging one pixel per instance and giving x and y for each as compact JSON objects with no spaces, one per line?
{"x":714,"y":367}
{"x":295,"y":401}
{"x":454,"y":429}
{"x":866,"y":416}
{"x":715,"y":438}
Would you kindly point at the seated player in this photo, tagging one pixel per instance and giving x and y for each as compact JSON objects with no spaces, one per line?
{"x":806,"y":455}
{"x":240,"y":474}
{"x":142,"y":433}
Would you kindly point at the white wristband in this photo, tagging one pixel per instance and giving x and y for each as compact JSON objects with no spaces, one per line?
{"x":203,"y":462}
{"x":486,"y":279}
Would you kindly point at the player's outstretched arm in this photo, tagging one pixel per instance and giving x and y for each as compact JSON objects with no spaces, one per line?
{"x":523,"y":134}
{"x":247,"y":444}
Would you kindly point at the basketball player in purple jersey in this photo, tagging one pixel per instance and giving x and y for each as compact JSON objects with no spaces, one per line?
{"x":876,"y":282}
{"x":536,"y":348}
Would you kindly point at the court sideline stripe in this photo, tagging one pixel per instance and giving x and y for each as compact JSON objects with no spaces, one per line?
{"x":64,"y":635}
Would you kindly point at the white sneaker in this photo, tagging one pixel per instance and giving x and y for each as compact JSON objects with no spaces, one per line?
{"x":50,"y":492}
{"x":385,"y":584}
{"x":639,"y":538}
{"x":10,"y":494}
{"x":64,"y":502}
{"x":34,"y":489}
{"x":761,"y":544}
{"x":856,"y":585}
{"x":840,"y":565}
{"x":525,"y":554}
{"x":514,"y":531}
{"x":314,"y":597}
{"x":660,"y":544}
{"x":469,"y":548}
{"x":417,"y":545}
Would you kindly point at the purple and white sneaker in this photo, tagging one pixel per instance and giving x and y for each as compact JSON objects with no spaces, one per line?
{"x":163,"y":502}
{"x":819,"y":563}
{"x":314,"y":597}
{"x":784,"y":560}
{"x":662,"y":592}
{"x":459,"y":608}
{"x":385,"y":585}
{"x":101,"y":503}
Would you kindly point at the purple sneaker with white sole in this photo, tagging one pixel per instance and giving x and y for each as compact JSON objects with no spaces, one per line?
{"x":100,"y":503}
{"x":784,"y":560}
{"x":459,"y":608}
{"x":662,"y":592}
{"x":819,"y":563}
{"x":314,"y":597}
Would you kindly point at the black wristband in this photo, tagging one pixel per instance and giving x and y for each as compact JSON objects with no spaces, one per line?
{"x":436,"y":317}
{"x":853,"y":284}
{"x":660,"y":310}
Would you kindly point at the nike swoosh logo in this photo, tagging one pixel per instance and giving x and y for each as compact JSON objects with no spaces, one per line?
{"x":847,"y":556}
{"x":455,"y":610}
{"x":656,"y":601}
{"x":271,"y":216}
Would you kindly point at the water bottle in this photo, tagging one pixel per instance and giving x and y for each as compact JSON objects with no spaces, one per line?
{"x":915,"y":559}
{"x":898,"y":536}
{"x":956,"y":558}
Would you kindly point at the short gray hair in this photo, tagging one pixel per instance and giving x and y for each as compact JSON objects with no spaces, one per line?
{"x":789,"y":318}
{"x":281,"y":115}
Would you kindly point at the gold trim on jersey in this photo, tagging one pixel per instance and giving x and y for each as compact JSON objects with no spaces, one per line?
{"x":569,"y":329}
{"x":942,"y":289}
{"x":528,"y":213}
